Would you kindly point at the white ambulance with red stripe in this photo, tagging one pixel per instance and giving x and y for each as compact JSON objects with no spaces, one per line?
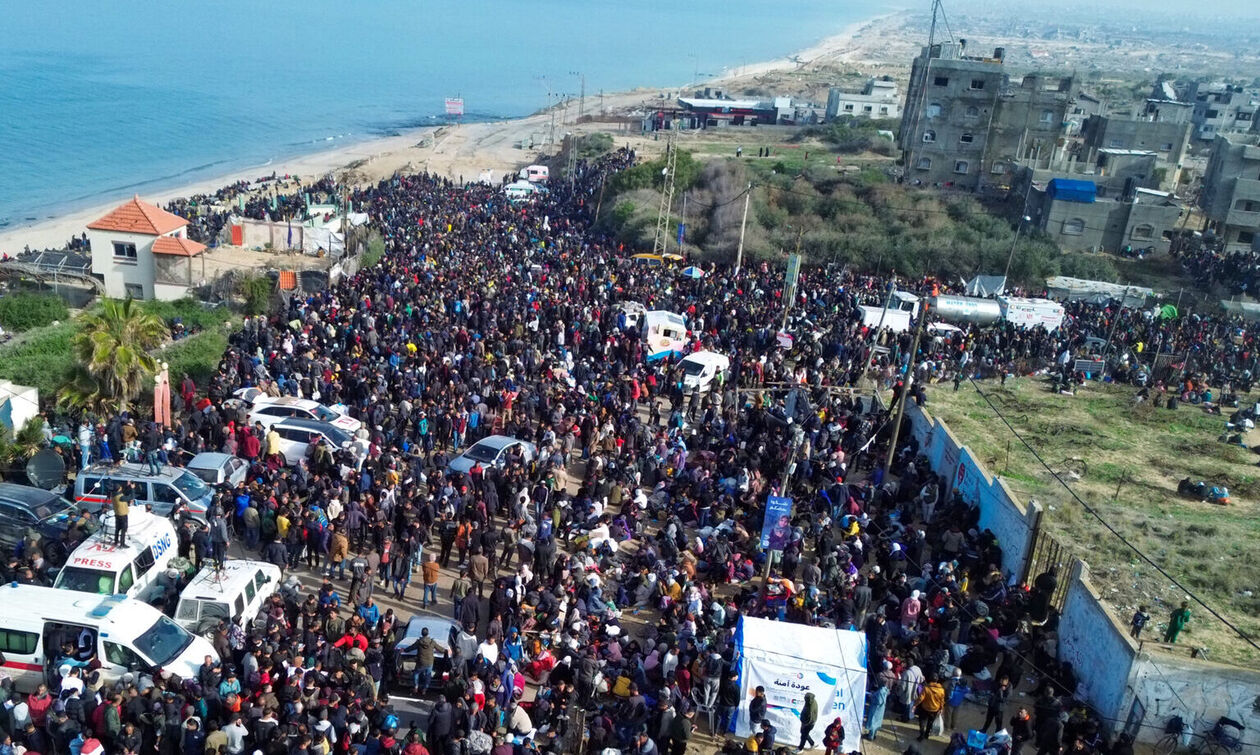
{"x":125,"y":635}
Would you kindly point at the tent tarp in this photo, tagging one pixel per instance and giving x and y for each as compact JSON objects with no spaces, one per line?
{"x":1064,"y":288}
{"x":1249,"y":310}
{"x":986,"y":285}
{"x":1072,"y":190}
{"x":789,"y":660}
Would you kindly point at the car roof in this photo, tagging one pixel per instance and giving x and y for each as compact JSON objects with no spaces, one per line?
{"x":132,"y":471}
{"x":236,"y":572}
{"x":209,"y":460}
{"x":25,"y":495}
{"x":708,"y":357}
{"x":301,"y":403}
{"x":106,"y":611}
{"x":497,"y":441}
{"x":439,"y":629}
{"x":143,"y":529}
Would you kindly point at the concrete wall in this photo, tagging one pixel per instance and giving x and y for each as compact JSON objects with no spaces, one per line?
{"x":1096,"y":646}
{"x":260,"y":233}
{"x":1000,"y":510}
{"x":1196,"y":691}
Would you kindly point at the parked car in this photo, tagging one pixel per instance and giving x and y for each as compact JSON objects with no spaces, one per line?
{"x":490,"y":451}
{"x":24,"y":508}
{"x":168,"y":493}
{"x":443,"y":631}
{"x":223,"y":470}
{"x":296,"y":436}
{"x":268,"y":411}
{"x":235,"y":593}
{"x":701,"y":369}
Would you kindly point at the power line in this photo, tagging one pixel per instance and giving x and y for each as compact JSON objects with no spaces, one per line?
{"x":1092,"y":512}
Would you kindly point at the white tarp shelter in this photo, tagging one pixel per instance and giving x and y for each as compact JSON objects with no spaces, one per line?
{"x":789,"y":660}
{"x":1064,"y":288}
{"x":986,"y":285}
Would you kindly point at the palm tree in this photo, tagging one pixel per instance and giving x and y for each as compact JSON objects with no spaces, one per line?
{"x":113,"y":348}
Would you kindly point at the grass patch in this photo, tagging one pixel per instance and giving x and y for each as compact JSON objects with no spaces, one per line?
{"x":40,"y":357}
{"x":1129,"y":460}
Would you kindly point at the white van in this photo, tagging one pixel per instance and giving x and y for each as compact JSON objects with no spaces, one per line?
{"x":700,"y":369}
{"x":520,"y":191}
{"x":236,"y":592}
{"x":99,"y":566}
{"x":125,"y":635}
{"x":894,"y":320}
{"x":534,"y":174}
{"x":665,"y":334}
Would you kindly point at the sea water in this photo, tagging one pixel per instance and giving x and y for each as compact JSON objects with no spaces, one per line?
{"x":102,"y":100}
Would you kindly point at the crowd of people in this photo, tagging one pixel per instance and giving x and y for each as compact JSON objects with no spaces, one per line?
{"x":597,"y":578}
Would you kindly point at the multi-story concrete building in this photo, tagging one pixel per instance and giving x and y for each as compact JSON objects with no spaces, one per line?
{"x":1080,"y":218}
{"x":1223,"y":108}
{"x":966,"y":126}
{"x":950,"y":104}
{"x":1231,"y":191}
{"x":1169,"y":140}
{"x":878,"y":99}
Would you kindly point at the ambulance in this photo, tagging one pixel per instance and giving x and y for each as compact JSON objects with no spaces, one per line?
{"x":98,"y":566}
{"x":125,"y":635}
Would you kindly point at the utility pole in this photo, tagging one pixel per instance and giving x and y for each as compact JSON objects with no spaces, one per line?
{"x":914,"y":137}
{"x":789,"y":289}
{"x":905,"y":388}
{"x":739,"y":253}
{"x":582,"y":93}
{"x":1023,"y":218}
{"x":870,"y":358}
{"x":1115,"y":321}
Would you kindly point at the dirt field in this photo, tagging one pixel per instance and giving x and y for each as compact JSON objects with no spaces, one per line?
{"x":1125,"y":460}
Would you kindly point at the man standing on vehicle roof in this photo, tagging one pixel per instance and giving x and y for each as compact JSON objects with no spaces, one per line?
{"x":123,"y":496}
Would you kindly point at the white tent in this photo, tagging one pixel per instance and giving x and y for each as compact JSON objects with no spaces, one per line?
{"x":789,"y":660}
{"x":986,"y":285}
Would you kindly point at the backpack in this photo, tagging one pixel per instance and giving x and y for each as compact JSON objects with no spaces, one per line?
{"x":391,"y":722}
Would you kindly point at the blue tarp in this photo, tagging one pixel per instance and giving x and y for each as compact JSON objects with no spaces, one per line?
{"x":1072,"y":190}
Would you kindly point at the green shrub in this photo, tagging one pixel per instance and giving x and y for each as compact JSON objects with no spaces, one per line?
{"x":594,"y":145}
{"x":194,"y":314}
{"x":256,"y":291}
{"x":1089,"y":266}
{"x":375,"y":249}
{"x":25,"y":310}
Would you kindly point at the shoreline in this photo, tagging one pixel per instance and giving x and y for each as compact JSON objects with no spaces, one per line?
{"x":456,"y":150}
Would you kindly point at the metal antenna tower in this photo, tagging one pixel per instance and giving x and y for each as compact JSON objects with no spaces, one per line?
{"x":660,"y":242}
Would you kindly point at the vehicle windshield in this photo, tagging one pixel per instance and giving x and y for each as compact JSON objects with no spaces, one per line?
{"x":324,"y":414}
{"x":164,"y":641}
{"x":482,"y":452}
{"x":692,"y":369}
{"x":208,"y":475}
{"x":191,"y":486}
{"x":86,"y":580}
{"x":52,"y":507}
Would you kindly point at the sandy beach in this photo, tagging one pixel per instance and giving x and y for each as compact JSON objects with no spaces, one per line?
{"x":466,"y":151}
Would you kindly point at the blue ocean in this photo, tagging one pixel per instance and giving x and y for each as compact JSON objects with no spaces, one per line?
{"x":99,"y":100}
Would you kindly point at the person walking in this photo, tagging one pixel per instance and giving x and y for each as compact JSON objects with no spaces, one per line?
{"x":809,"y":717}
{"x":430,"y":571}
{"x":996,"y":707}
{"x":929,"y":705}
{"x":1177,"y":622}
{"x":1139,"y":621}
